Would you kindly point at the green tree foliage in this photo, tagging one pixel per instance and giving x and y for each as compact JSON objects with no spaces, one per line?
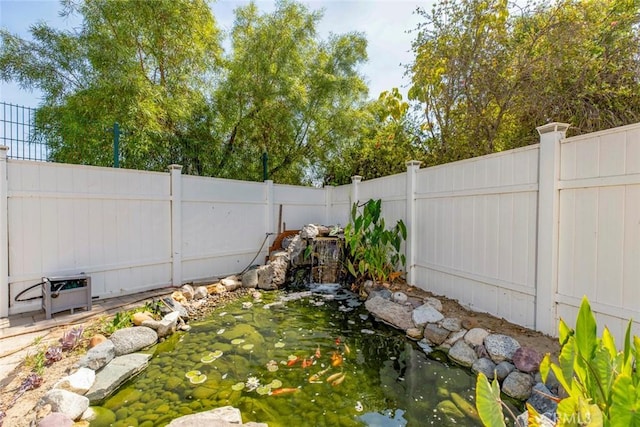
{"x":157,"y":68}
{"x":487,"y":72}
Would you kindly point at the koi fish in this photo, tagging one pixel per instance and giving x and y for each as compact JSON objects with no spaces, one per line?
{"x":315,"y":378}
{"x":334,"y":377}
{"x":336,"y":359}
{"x":318,"y":354}
{"x":306,"y":363}
{"x":292,"y":362}
{"x":278,"y":391}
{"x":339,"y":380}
{"x":338,"y":341}
{"x":347,"y":350}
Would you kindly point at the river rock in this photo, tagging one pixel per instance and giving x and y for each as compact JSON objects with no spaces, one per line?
{"x":129,"y":340}
{"x":426,"y":314}
{"x":455,"y":337}
{"x":475,"y":336}
{"x":414,"y":333}
{"x":527,"y":359}
{"x":390,"y":312}
{"x":98,"y":356}
{"x":503,"y":369}
{"x":219,"y":417}
{"x":462,"y":354}
{"x":200,"y":292}
{"x":435,"y":333}
{"x":97,"y":339}
{"x":166,"y":326}
{"x":484,"y":365}
{"x":451,"y":323}
{"x":517,"y":385}
{"x":78,"y":382}
{"x":399,"y":297}
{"x":231,"y":283}
{"x":501,"y":347}
{"x":187,"y":292}
{"x":481,"y":351}
{"x":56,"y":419}
{"x":540,"y":401}
{"x":250,"y":278}
{"x":70,"y":404}
{"x":433,"y":302}
{"x":138,"y":318}
{"x":216,"y":288}
{"x":115,"y":373}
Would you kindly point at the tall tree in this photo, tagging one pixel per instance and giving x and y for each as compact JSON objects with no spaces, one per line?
{"x":144,"y":64}
{"x":487,"y":72}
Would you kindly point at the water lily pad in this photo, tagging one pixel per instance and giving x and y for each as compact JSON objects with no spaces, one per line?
{"x":247,"y":346}
{"x":237,"y":386}
{"x":263,"y":389}
{"x":208,"y":358}
{"x":275,"y":384}
{"x":237,"y":341}
{"x":292,"y":357}
{"x":216,"y":353}
{"x":279,"y":344}
{"x":198,"y":379}
{"x":192,"y":374}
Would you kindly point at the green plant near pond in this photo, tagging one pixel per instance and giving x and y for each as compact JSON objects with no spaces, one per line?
{"x":373,"y":250}
{"x":602,"y":384}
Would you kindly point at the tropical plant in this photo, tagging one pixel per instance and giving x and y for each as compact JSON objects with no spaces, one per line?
{"x":374,"y":252}
{"x":602,"y":383}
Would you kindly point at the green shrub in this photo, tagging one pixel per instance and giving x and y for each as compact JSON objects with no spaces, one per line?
{"x":602,"y":383}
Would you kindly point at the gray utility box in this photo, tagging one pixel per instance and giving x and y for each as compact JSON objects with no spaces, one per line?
{"x":66,"y":293}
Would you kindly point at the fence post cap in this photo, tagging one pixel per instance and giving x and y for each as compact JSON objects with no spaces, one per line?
{"x":553,"y":127}
{"x":356,"y":178}
{"x":410,"y":163}
{"x":175,"y":167}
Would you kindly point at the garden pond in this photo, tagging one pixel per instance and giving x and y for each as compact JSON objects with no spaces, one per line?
{"x":316,"y":360}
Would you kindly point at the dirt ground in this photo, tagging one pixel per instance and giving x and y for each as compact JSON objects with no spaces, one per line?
{"x":25,"y":411}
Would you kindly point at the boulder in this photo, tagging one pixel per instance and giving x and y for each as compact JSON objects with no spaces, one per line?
{"x":435,"y":333}
{"x":70,"y":404}
{"x":484,"y":365}
{"x":166,"y":326}
{"x":280,"y":266}
{"x":187,"y":292}
{"x":451,"y":323}
{"x":396,"y":315}
{"x":426,"y":314}
{"x":455,"y":337}
{"x":265,"y":278}
{"x":501,"y":347}
{"x":250,"y":278}
{"x":309,"y":231}
{"x":56,"y":419}
{"x":231,"y":283}
{"x":115,"y":373}
{"x":78,"y":382}
{"x":433,"y":302}
{"x":97,"y":339}
{"x":414,"y":333}
{"x":225,"y":416}
{"x":475,"y":336}
{"x":138,"y":318}
{"x":98,"y":356}
{"x":216,"y":288}
{"x":462,"y":354}
{"x":129,"y":340}
{"x":503,"y":369}
{"x":399,"y":297}
{"x":517,"y":385}
{"x":540,"y":399}
{"x":527,"y":359}
{"x":200,"y":292}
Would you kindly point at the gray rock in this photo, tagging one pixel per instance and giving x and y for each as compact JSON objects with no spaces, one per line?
{"x":552,"y":382}
{"x":433,"y":302}
{"x":250,"y":278}
{"x":265,"y":278}
{"x":527,"y":359}
{"x":481,"y":351}
{"x":396,"y":315}
{"x":173,"y":305}
{"x":78,"y":382}
{"x":56,"y":419}
{"x":164,"y":327}
{"x":280,"y":266}
{"x":503,"y":369}
{"x":475,"y":336}
{"x":517,"y":385}
{"x":201,"y":292}
{"x":462,"y":354}
{"x":424,"y":345}
{"x":501,"y":347}
{"x":399,"y":297}
{"x":455,"y":337}
{"x":435,"y":333}
{"x":70,"y":404}
{"x":231,"y":283}
{"x":225,"y":416}
{"x":98,"y":356}
{"x":309,"y":231}
{"x":540,"y":401}
{"x":382,"y":293}
{"x":187,"y":292}
{"x":484,"y":365}
{"x":129,"y":340}
{"x":451,"y":323}
{"x":426,"y":314}
{"x":115,"y":373}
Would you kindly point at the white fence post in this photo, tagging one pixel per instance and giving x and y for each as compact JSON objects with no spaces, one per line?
{"x":269,"y":227}
{"x":548,"y":217}
{"x":176,"y":224}
{"x":4,"y":234}
{"x":355,"y":180}
{"x":412,"y":168}
{"x":328,"y":202}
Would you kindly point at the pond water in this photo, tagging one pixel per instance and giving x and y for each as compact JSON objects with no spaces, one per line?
{"x":320,"y":360}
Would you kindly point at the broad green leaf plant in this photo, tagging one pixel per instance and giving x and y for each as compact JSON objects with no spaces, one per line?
{"x":374,"y":252}
{"x":602,"y":384}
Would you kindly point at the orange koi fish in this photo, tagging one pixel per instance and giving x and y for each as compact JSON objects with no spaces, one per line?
{"x":339,"y":380}
{"x":336,"y":359}
{"x":293,"y":361}
{"x":306,"y":363}
{"x":318,"y":354}
{"x":278,"y":391}
{"x":333,"y":377}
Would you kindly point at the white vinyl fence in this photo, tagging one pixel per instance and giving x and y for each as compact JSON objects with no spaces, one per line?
{"x":521,"y":234}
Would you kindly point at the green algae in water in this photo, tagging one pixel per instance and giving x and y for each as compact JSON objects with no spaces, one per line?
{"x":386,"y":379}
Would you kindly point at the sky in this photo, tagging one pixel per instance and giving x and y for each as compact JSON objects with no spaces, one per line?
{"x":387,"y":25}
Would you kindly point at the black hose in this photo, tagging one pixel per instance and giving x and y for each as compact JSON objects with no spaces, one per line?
{"x":258,"y":253}
{"x":26,"y":290}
